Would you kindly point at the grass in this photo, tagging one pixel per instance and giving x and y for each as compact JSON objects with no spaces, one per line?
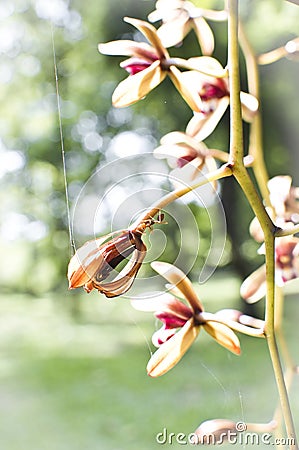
{"x":78,"y":381}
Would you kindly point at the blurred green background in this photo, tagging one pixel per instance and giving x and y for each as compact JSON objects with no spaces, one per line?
{"x":72,"y":366}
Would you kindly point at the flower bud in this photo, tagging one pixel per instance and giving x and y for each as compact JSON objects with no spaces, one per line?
{"x":96,"y":260}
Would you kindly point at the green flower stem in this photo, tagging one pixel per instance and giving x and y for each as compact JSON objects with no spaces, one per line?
{"x":223,"y":171}
{"x":241,"y":175}
{"x":287,"y":231}
{"x":255,"y":138}
{"x":289,"y":362}
{"x":272,"y":56}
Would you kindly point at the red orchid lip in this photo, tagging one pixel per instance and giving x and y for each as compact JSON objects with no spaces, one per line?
{"x":172,"y":320}
{"x":136,"y":67}
{"x":213,"y":91}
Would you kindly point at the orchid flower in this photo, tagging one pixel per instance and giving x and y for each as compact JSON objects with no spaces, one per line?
{"x":253,"y":287}
{"x":284,"y":213}
{"x":181,"y":322}
{"x":284,"y":200}
{"x":148,"y":66}
{"x":179,"y":17}
{"x":214,"y":96}
{"x":186,"y":154}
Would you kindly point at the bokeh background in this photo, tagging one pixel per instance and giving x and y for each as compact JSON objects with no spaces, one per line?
{"x":72,"y":366}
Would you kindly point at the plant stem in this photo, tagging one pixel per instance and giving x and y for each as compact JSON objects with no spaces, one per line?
{"x":223,"y":171}
{"x":236,"y":135}
{"x":255,"y":138}
{"x":236,"y":130}
{"x":287,"y":231}
{"x":241,"y":175}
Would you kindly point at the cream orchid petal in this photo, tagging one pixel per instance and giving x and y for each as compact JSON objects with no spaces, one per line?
{"x":137,"y":86}
{"x":203,"y":124}
{"x":279,"y":188}
{"x":177,"y":277}
{"x":173,"y":32}
{"x":211,"y":165}
{"x":253,"y":287}
{"x":174,"y":153}
{"x":178,"y":137}
{"x":250,"y":106}
{"x":207,"y":66}
{"x":124,"y":47}
{"x":162,"y":335}
{"x":174,"y":137}
{"x":150,"y":32}
{"x":188,"y":92}
{"x":182,"y":176}
{"x":204,"y":35}
{"x":223,"y":335}
{"x":170,"y":353}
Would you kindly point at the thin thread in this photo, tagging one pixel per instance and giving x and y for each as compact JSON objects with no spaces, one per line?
{"x":70,"y":230}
